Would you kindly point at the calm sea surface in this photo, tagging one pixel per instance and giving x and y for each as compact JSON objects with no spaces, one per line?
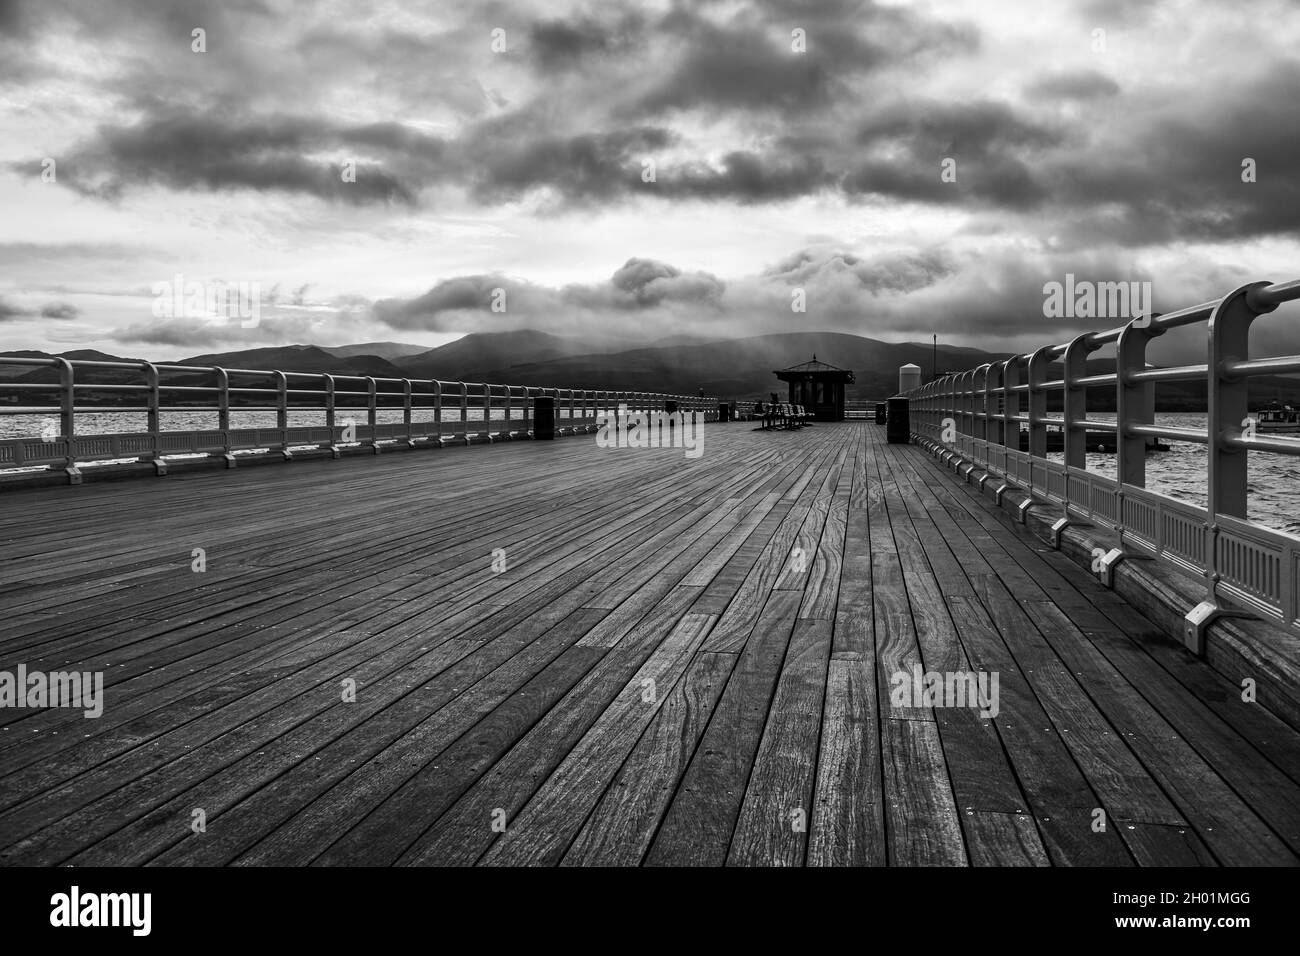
{"x":1180,"y":473}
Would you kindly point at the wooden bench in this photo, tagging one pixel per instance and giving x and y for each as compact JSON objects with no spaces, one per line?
{"x":785,"y":415}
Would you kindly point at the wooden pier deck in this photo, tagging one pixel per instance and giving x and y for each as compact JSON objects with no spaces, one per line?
{"x":652,"y":679}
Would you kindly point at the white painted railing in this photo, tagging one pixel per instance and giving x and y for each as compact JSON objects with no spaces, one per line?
{"x":461,"y":412}
{"x":980,"y":413}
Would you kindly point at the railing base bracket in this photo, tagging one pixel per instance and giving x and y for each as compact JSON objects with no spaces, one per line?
{"x":335,"y":451}
{"x":1107,"y":570}
{"x":1060,"y":525}
{"x":230,"y":459}
{"x":1198,"y":621}
{"x":74,"y":475}
{"x":159,"y":467}
{"x":1022,"y":509}
{"x":999,"y":492}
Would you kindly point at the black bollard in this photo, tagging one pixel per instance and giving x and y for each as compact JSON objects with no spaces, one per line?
{"x":544,"y":418}
{"x":898,"y":426}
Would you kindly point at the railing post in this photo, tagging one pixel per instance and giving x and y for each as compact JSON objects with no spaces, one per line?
{"x":1038,"y":363}
{"x":372,"y":412}
{"x":437,"y":411}
{"x":992,"y":421}
{"x":1229,"y":405}
{"x":980,"y":403}
{"x":282,"y":404}
{"x":223,"y":399}
{"x":329,"y":414}
{"x":1011,"y":403}
{"x":68,"y":418}
{"x":223,"y":414}
{"x":151,"y":419}
{"x":1075,"y":405}
{"x":955,"y":412}
{"x":282,"y":412}
{"x":967,"y":406}
{"x":1229,"y":409}
{"x":464,"y":411}
{"x":406,"y":412}
{"x":1134,"y":405}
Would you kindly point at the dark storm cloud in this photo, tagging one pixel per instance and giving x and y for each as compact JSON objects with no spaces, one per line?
{"x":650,"y":282}
{"x":591,"y":96}
{"x":748,"y":177}
{"x":502,"y":162}
{"x":60,"y":310}
{"x":465,"y":303}
{"x":563,"y":44}
{"x":991,"y":145}
{"x":1179,"y":175}
{"x":970,"y":128}
{"x":10,"y":311}
{"x":750,"y":63}
{"x":214,"y":152}
{"x":747,"y":69}
{"x":1077,"y":85}
{"x":192,"y":334}
{"x":54,"y":310}
{"x":12,"y":17}
{"x":1104,"y":13}
{"x":904,"y":272}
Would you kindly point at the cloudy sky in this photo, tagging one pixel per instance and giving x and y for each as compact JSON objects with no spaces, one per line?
{"x":635,"y":171}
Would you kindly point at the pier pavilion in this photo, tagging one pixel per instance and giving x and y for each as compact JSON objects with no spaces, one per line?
{"x":817,"y":386}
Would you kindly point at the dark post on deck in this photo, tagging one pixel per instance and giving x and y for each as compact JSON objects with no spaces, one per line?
{"x":897,"y":425}
{"x":544,"y":418}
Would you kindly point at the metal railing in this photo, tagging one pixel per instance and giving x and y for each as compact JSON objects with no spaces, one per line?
{"x":977,"y":415}
{"x":351,"y":404}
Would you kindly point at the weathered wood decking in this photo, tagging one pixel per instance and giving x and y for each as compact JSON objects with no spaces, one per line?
{"x":651,"y":680}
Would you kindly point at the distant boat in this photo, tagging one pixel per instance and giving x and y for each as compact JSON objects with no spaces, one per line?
{"x":1278,"y":418}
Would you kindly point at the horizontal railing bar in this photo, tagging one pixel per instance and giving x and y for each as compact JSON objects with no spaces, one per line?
{"x":1263,"y":366}
{"x":1162,"y":431}
{"x":1274,"y":295}
{"x":1107,"y":378}
{"x":1173,"y":373}
{"x":1258,"y":442}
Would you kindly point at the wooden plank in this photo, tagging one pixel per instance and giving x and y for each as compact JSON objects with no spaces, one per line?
{"x":777,"y":811}
{"x":1003,"y":839}
{"x":464,"y":833}
{"x":848,"y":823}
{"x":542,"y":831}
{"x":921,"y":815}
{"x":619,"y":830}
{"x":698,"y":826}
